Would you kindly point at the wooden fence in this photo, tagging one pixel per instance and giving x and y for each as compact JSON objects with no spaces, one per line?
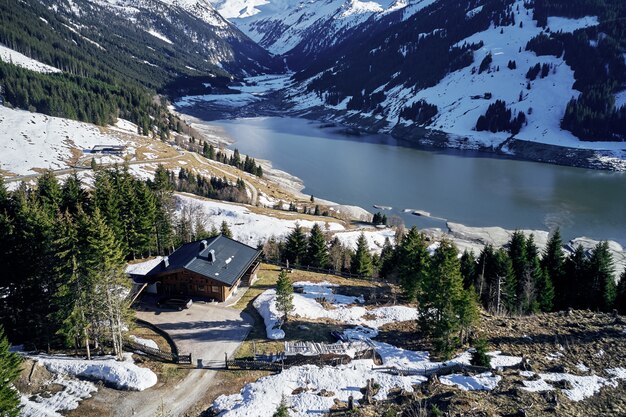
{"x":174,"y":356}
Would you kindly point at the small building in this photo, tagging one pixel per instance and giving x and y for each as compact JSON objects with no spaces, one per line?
{"x":209,"y":269}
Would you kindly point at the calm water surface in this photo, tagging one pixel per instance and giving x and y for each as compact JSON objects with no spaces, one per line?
{"x":462,"y":187}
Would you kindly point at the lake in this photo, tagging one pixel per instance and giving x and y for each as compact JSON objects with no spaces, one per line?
{"x":463,"y":187}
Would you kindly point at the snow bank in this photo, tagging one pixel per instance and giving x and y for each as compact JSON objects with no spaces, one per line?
{"x":121,"y":374}
{"x":247,"y":227}
{"x":261,"y":398}
{"x":307,"y":307}
{"x":265,"y":304}
{"x":582,"y":386}
{"x":144,"y":342}
{"x":49,"y":406}
{"x":318,"y":290}
{"x":481,"y":382}
{"x":21,"y":60}
{"x":498,"y":360}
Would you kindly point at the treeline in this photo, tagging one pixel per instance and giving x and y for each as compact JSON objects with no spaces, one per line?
{"x":64,"y":251}
{"x":420,"y":112}
{"x":499,"y":118}
{"x":518,"y":279}
{"x":596,"y":56}
{"x":317,"y":250}
{"x":212,"y":187}
{"x":248,"y":165}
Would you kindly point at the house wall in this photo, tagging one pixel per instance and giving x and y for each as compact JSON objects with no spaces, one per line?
{"x":190,"y":284}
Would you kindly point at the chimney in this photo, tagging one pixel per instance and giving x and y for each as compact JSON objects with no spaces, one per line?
{"x":166,"y":262}
{"x":204,"y":244}
{"x":211,"y":255}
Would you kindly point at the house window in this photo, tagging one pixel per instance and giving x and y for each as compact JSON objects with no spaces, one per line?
{"x":215,"y":289}
{"x":201,"y":288}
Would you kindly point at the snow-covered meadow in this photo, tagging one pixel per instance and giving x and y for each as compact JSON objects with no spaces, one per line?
{"x":21,"y":60}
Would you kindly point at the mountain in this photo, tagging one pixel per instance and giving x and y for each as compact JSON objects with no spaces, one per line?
{"x":95,"y":61}
{"x":303,"y":30}
{"x":486,"y":71}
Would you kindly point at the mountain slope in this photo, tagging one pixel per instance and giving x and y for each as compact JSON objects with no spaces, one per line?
{"x":302,"y":30}
{"x":484,"y":71}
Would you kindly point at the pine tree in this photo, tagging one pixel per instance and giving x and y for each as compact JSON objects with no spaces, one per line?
{"x":554,"y":263}
{"x":469,"y":269}
{"x":284,"y":295}
{"x":317,"y":251}
{"x":362,"y":260}
{"x":73,"y":196}
{"x":620,"y":299}
{"x":225,"y":230}
{"x":413,"y":258}
{"x":579,"y":287}
{"x":282,"y":410}
{"x":387,"y":259}
{"x":76,"y":286}
{"x":105,"y":267}
{"x":517,"y":251}
{"x":601,"y":272}
{"x":10,"y":368}
{"x":296,"y":246}
{"x":49,"y":193}
{"x":543,"y":286}
{"x":442,"y":299}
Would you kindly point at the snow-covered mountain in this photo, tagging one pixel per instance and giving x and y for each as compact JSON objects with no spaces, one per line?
{"x":303,"y":29}
{"x":453,"y":62}
{"x":193,"y":27}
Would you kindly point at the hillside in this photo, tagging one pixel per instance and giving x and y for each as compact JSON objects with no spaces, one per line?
{"x":452,"y":63}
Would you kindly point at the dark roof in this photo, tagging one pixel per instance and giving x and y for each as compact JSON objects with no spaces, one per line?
{"x":232,"y":259}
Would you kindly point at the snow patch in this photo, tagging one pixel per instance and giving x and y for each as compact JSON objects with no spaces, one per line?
{"x":121,"y":374}
{"x":21,"y":60}
{"x":481,"y":382}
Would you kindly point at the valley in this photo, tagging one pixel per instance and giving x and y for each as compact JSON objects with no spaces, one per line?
{"x":281,"y":208}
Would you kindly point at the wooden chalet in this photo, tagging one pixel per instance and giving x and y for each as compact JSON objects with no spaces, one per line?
{"x":210,"y":269}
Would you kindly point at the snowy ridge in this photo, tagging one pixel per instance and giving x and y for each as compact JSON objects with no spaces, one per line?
{"x":281,"y":25}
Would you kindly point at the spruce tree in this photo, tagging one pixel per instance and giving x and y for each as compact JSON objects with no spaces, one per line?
{"x":361,"y":263}
{"x":296,"y":246}
{"x":282,"y":410}
{"x":517,"y":251}
{"x":284,"y":295}
{"x":576,"y":293}
{"x":412,"y":265}
{"x":10,"y":368}
{"x":601,"y":272}
{"x":49,"y":193}
{"x":225,"y":230}
{"x":442,"y":299}
{"x":620,"y":299}
{"x":554,"y":263}
{"x":73,"y":195}
{"x":317,"y":251}
{"x":469,"y":269}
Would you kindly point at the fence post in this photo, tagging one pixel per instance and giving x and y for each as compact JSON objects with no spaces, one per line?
{"x":226,"y":360}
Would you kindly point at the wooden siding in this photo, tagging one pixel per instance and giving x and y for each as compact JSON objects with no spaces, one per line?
{"x":190,"y":284}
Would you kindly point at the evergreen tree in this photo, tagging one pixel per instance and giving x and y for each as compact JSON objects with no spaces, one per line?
{"x":554,"y":263}
{"x":73,"y":196}
{"x":10,"y":368}
{"x":441,"y":299}
{"x":362,"y":260}
{"x":413,"y":258}
{"x":517,"y":251}
{"x":578,"y":289}
{"x":284,"y":295}
{"x":225,"y":230}
{"x":601,"y":272}
{"x":105,"y":266}
{"x":387,"y":259}
{"x":544,"y":289}
{"x":282,"y":410}
{"x":469,"y":269}
{"x":296,"y":246}
{"x":49,"y":193}
{"x":317,"y":251}
{"x":620,"y":299}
